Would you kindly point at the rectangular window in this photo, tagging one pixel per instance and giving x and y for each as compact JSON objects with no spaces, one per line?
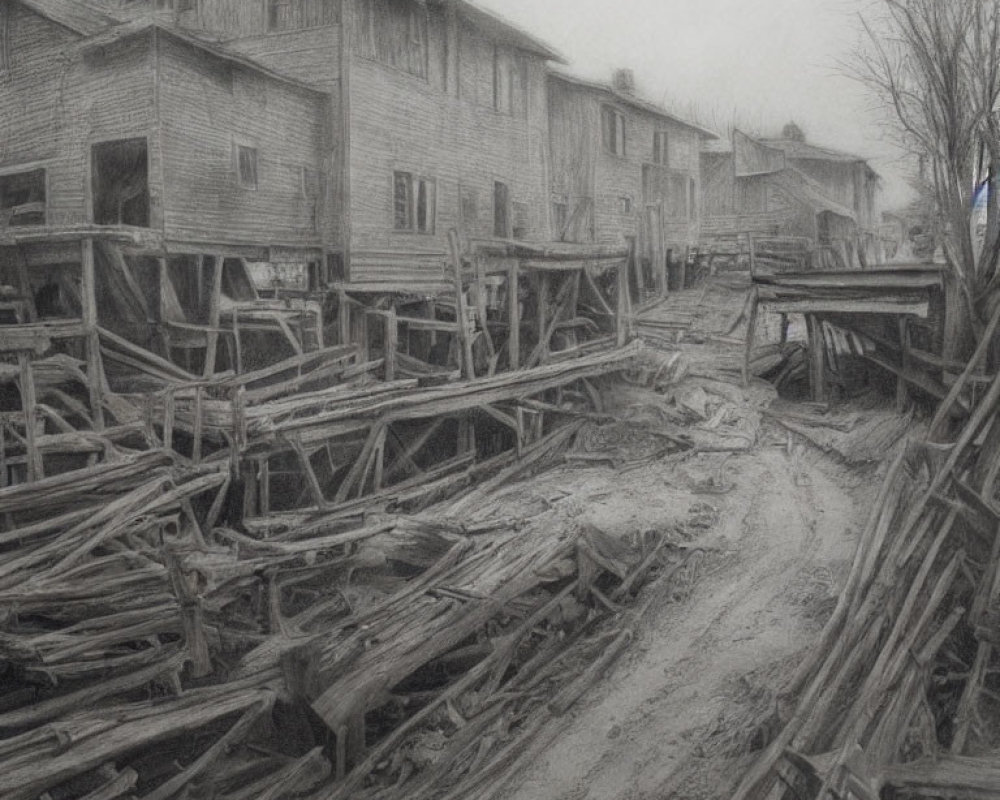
{"x":414,"y":202}
{"x":22,"y":198}
{"x":560,"y":216}
{"x":692,"y":198}
{"x":625,"y":205}
{"x":246,"y":166}
{"x":393,"y":32}
{"x":4,"y":36}
{"x":469,"y":208}
{"x":501,"y":210}
{"x":613,"y":131}
{"x":661,"y":148}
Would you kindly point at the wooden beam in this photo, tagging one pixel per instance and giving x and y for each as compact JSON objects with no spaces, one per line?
{"x":514,"y":316}
{"x":753,"y":312}
{"x":29,"y":405}
{"x":95,"y":367}
{"x":391,"y":343}
{"x":902,"y":389}
{"x":817,"y":358}
{"x":214,"y":316}
{"x":468,"y":365}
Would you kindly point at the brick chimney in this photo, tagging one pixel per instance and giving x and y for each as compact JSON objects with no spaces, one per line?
{"x":623,"y":81}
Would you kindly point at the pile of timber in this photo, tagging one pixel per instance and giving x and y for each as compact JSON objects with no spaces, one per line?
{"x":900,"y":693}
{"x":150,"y":649}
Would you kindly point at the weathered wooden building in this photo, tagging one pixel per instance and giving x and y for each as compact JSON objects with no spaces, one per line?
{"x":622,"y":166}
{"x":209,"y":159}
{"x":788,"y":187}
{"x":438,"y":120}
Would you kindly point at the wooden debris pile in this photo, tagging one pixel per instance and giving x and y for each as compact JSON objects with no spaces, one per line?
{"x":900,"y":694}
{"x":152,"y":650}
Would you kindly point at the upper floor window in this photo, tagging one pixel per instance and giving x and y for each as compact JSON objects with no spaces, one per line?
{"x":4,"y":36}
{"x":661,"y":148}
{"x":393,"y":32}
{"x":502,"y":227}
{"x":509,"y":82}
{"x":246,"y":166}
{"x":613,"y":130}
{"x":293,"y":15}
{"x":414,"y":202}
{"x":22,"y":198}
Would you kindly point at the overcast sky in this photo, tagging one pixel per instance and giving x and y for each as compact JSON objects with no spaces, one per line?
{"x":762,"y":62}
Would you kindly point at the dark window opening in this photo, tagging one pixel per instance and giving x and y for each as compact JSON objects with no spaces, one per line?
{"x":661,"y":148}
{"x":22,"y":198}
{"x":501,"y":210}
{"x":4,"y":36}
{"x":393,"y":32}
{"x":120,"y":183}
{"x":246,"y":166}
{"x":413,"y":203}
{"x":613,"y":131}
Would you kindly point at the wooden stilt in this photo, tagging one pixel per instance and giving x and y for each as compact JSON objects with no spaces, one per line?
{"x":391,"y":340}
{"x":29,"y":407}
{"x":902,"y":388}
{"x":197,"y":424}
{"x":264,"y":481}
{"x":817,"y":358}
{"x":214,"y":316}
{"x":542,"y":301}
{"x":754,"y":302}
{"x":95,"y":368}
{"x":344,"y":317}
{"x":169,"y":410}
{"x":514,"y":315}
{"x":464,"y":336}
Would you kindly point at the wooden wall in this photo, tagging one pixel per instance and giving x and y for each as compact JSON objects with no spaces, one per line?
{"x":443,"y":127}
{"x":314,"y":57}
{"x":56,"y":104}
{"x":206,"y":107}
{"x":583,"y":169}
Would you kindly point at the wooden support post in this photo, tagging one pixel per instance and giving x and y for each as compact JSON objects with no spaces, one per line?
{"x":542,"y":308}
{"x":391,"y":342}
{"x":196,"y":425}
{"x":169,"y":410}
{"x":88,"y":297}
{"x":379,"y":478}
{"x":753,"y":300}
{"x":817,"y":358}
{"x":214,"y":316}
{"x":468,"y":365}
{"x":514,"y":315}
{"x":264,"y":482}
{"x":29,"y":406}
{"x":199,"y":278}
{"x":902,"y":388}
{"x":344,"y":317}
{"x":684,"y":269}
{"x":621,"y":315}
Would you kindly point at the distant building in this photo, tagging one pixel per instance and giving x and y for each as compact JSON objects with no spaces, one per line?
{"x":622,"y":166}
{"x":787,"y":187}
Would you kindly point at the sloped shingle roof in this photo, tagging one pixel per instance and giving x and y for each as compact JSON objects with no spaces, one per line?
{"x":73,"y":14}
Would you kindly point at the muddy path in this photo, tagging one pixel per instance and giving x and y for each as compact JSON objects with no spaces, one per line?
{"x":681,"y":715}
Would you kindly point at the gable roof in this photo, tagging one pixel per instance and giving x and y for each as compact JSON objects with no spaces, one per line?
{"x":631,"y":100}
{"x":73,"y":14}
{"x":129,"y":30}
{"x":502,"y":30}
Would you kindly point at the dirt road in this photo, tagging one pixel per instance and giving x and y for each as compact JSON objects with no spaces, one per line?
{"x":678,"y":715}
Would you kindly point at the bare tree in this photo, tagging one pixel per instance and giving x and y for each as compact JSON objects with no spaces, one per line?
{"x":936,"y":66}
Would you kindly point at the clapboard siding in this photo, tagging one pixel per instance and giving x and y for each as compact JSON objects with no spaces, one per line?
{"x":206,"y":107}
{"x":312,"y":56}
{"x":583,"y":170}
{"x":57,"y":103}
{"x":402,"y":122}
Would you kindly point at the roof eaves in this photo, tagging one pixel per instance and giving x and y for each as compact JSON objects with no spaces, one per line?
{"x":631,"y":100}
{"x":76,"y":16}
{"x":494,"y":24}
{"x":137,"y":27}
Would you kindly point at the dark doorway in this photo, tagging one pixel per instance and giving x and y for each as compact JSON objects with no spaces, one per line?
{"x":120,"y":183}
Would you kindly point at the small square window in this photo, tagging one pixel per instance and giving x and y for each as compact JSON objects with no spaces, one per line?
{"x":625,"y":205}
{"x":246,"y":166}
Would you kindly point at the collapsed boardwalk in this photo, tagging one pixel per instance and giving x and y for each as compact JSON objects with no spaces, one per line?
{"x":166,"y":629}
